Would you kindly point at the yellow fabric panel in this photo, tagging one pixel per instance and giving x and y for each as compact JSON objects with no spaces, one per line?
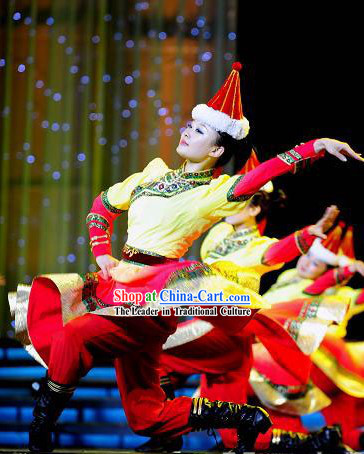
{"x":214,"y":236}
{"x":214,"y":201}
{"x":289,"y":286}
{"x":119,"y":194}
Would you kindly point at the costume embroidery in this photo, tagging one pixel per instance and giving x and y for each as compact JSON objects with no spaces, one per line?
{"x":230,"y":195}
{"x":107,"y":204}
{"x":172,"y":183}
{"x":234,"y":242}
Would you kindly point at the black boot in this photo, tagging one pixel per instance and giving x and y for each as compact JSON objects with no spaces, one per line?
{"x":51,"y":401}
{"x":248,"y":420}
{"x":325,"y":441}
{"x":161,"y":445}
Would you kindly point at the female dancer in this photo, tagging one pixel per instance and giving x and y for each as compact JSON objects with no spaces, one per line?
{"x":168,"y":210}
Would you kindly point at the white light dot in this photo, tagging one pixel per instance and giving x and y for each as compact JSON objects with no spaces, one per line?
{"x":232,"y":36}
{"x":56,"y":175}
{"x":196,"y":68}
{"x":17,"y":16}
{"x":150,"y":93}
{"x":180,"y":19}
{"x":133,"y":103}
{"x":71,"y":258}
{"x":74,"y":69}
{"x":162,"y":35}
{"x":126,"y":113}
{"x":27,"y":20}
{"x":66,"y":127}
{"x":21,"y":68}
{"x":95,"y":39}
{"x":61,"y":39}
{"x":169,"y":132}
{"x":39,"y":84}
{"x":50,"y":21}
{"x":2,"y":61}
{"x":123,"y":143}
{"x":200,"y":22}
{"x":162,"y":111}
{"x":30,"y":159}
{"x":69,"y":50}
{"x":128,"y":80}
{"x":55,"y":126}
{"x":45,"y":124}
{"x":168,"y":120}
{"x":81,"y":157}
{"x":85,"y":80}
{"x":134,"y":135}
{"x":195,"y":31}
{"x":57,"y":97}
{"x":206,"y":56}
{"x":129,"y":44}
{"x":106,"y":78}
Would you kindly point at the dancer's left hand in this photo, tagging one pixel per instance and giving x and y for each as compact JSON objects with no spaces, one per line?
{"x":336,"y":148}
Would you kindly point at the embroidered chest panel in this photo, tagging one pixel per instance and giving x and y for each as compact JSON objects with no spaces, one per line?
{"x":234,"y":242}
{"x":171,"y":184}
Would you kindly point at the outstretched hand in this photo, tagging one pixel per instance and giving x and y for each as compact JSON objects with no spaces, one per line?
{"x":336,"y":148}
{"x":357,"y":267}
{"x":106,"y":263}
{"x":325,"y":223}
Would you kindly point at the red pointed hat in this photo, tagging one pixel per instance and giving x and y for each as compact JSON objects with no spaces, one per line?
{"x":347,"y":244}
{"x":224,"y":112}
{"x":251,"y":164}
{"x":333,"y":240}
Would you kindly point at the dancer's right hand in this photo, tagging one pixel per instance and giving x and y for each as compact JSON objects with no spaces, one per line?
{"x":325,"y":223}
{"x":357,"y":267}
{"x":106,"y":263}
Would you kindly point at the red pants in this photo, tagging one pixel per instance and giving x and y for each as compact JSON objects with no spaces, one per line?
{"x":344,"y":409}
{"x":225,"y":362}
{"x":136,"y":342}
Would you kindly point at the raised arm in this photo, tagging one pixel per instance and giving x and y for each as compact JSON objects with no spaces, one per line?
{"x":299,"y":242}
{"x":334,"y":277}
{"x":288,"y":161}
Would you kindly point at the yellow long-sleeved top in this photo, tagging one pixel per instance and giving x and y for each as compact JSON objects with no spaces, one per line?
{"x":167,"y":209}
{"x":241,"y":252}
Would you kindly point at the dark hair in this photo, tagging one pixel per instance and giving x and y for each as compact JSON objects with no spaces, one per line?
{"x":232,"y":147}
{"x":267,"y":201}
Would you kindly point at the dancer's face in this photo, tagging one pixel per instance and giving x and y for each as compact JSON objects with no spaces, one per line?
{"x":246,"y":216}
{"x":198,"y":143}
{"x":310,"y":268}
